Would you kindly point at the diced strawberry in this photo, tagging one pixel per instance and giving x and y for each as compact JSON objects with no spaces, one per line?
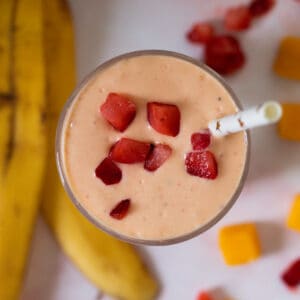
{"x":204,"y":296}
{"x":224,"y":54}
{"x":260,"y":7}
{"x":201,"y":164}
{"x":200,"y":33}
{"x":118,"y":110}
{"x":120,"y":210}
{"x":128,"y":151}
{"x":108,"y":172}
{"x":291,"y":277}
{"x":238,"y":18}
{"x":201,"y":140}
{"x":164,"y":118}
{"x":159,"y":154}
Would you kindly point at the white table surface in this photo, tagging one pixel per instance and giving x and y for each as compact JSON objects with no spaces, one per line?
{"x":107,"y":28}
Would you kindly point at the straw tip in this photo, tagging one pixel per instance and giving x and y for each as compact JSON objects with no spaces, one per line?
{"x":272,"y":111}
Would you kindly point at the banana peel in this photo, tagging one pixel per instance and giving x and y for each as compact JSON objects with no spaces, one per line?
{"x":5,"y":130}
{"x":6,"y":29}
{"x":21,"y":186}
{"x":113,"y":266}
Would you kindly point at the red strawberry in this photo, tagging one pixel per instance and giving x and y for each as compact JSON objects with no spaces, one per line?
{"x":260,"y":7}
{"x":201,"y":164}
{"x":164,"y":118}
{"x":238,"y":18}
{"x":291,"y":277}
{"x":200,"y":33}
{"x":159,"y":154}
{"x":118,"y":110}
{"x":128,"y":151}
{"x":108,"y":172}
{"x":204,"y":296}
{"x":224,"y":54}
{"x":200,"y":140}
{"x":120,"y":210}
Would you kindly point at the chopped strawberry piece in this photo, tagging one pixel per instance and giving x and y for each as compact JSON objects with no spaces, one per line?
{"x":201,"y":164}
{"x":128,"y":151}
{"x":204,"y":296}
{"x":291,"y":277}
{"x":118,"y":110}
{"x":159,"y":154}
{"x":200,"y":33}
{"x":224,"y":54}
{"x":238,"y":18}
{"x":260,"y":7}
{"x":120,"y":210}
{"x":201,"y":140}
{"x":108,"y":172}
{"x":164,"y":118}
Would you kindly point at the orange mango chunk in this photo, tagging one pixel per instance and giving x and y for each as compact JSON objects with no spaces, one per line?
{"x":287,"y":61}
{"x":289,"y":125}
{"x":293,"y":220}
{"x":239,"y":243}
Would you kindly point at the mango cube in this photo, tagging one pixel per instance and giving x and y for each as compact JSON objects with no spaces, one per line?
{"x":289,"y":125}
{"x":239,"y":243}
{"x":287,"y":61}
{"x":293,"y":220}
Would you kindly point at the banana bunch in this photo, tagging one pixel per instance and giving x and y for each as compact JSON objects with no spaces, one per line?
{"x":23,"y":148}
{"x":37,"y":74}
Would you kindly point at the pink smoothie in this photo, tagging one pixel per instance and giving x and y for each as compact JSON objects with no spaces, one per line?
{"x":169,"y":202}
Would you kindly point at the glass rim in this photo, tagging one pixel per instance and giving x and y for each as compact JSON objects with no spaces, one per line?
{"x":60,"y":161}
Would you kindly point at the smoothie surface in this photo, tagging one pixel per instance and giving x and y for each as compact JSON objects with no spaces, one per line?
{"x":169,"y":202}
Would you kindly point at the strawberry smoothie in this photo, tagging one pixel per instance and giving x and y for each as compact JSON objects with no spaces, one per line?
{"x":135,"y":154}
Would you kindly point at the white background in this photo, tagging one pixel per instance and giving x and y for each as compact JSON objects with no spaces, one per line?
{"x":107,"y":28}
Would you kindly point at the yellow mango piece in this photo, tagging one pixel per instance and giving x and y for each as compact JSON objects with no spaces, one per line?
{"x":287,"y":61}
{"x":239,"y":243}
{"x":289,"y":125}
{"x":293,"y":220}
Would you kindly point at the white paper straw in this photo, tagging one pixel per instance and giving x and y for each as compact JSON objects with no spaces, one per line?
{"x":263,"y":114}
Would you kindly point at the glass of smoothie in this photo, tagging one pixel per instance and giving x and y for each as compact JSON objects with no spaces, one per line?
{"x":134,"y":154}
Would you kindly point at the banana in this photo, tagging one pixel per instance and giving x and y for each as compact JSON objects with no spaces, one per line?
{"x":21,"y":186}
{"x":5,"y":126}
{"x":6,"y":11}
{"x":111,"y":265}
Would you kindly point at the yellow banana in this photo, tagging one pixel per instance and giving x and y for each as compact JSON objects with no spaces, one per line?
{"x":21,"y":186}
{"x":5,"y":126}
{"x":111,"y":265}
{"x":6,"y":29}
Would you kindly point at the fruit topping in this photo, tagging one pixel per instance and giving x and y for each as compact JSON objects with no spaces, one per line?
{"x":201,"y":164}
{"x":120,"y":210}
{"x":164,"y":118}
{"x":128,"y":151}
{"x":201,"y":140}
{"x":118,"y":110}
{"x":108,"y":172}
{"x":159,"y":154}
